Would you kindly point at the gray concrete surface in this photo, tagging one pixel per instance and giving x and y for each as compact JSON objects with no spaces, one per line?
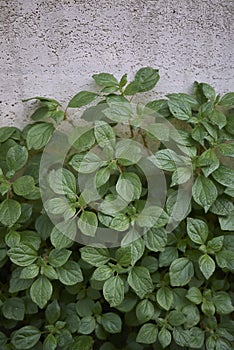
{"x":52,"y":48}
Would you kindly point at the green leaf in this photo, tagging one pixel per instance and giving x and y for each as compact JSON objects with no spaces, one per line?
{"x":123,"y":256}
{"x":26,"y":337}
{"x":197,"y":336}
{"x":119,"y":111}
{"x":22,"y":255}
{"x":12,"y":239}
{"x":226,"y":149}
{"x":129,"y":186}
{"x":180,"y":109}
{"x":224,"y":175}
{"x":10,"y":211}
{"x":90,"y":163}
{"x":222,"y":206}
{"x":223,"y":303}
{"x":140,"y":281}
{"x":82,"y":138}
{"x":104,"y":134}
{"x":87,"y":325}
{"x":215,"y":244}
{"x":62,"y":181}
{"x":58,"y":206}
{"x":111,"y":323}
{"x":155,"y":239}
{"x":128,"y":152}
{"x":30,"y":272}
{"x":145,"y":310}
{"x":152,"y":216}
{"x":49,"y":272}
{"x":194,"y":295}
{"x":218,"y":118}
{"x":181,"y":272}
{"x":181,"y":337}
{"x":88,"y":223}
{"x":168,"y":160}
{"x":81,"y":99}
{"x":105,"y":79}
{"x":6,"y":132}
{"x":204,"y":192}
{"x":61,"y":240}
{"x":41,"y":291}
{"x":165,"y":297}
{"x":164,"y":337}
{"x":23,"y":185}
{"x":14,"y":309}
{"x":197,"y":230}
{"x":207,"y":265}
{"x":50,"y":342}
{"x":113,"y":290}
{"x":102,"y":273}
{"x":227,"y":100}
{"x":52,"y":312}
{"x":167,"y":256}
{"x":225,"y":259}
{"x":95,"y":256}
{"x":16,"y":157}
{"x":39,"y":135}
{"x":147,"y":334}
{"x":176,"y":318}
{"x":70,"y":273}
{"x":102,"y":176}
{"x":145,"y":79}
{"x":58,"y":257}
{"x":208,"y":161}
{"x":83,"y":342}
{"x":227,"y":222}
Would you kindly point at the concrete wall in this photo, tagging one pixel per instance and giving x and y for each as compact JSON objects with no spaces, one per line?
{"x":52,"y":47}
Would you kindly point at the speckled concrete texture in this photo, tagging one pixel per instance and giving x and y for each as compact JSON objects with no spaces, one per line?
{"x":52,"y":48}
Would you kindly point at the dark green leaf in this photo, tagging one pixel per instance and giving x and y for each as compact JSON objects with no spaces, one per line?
{"x":81,"y":99}
{"x":26,"y":337}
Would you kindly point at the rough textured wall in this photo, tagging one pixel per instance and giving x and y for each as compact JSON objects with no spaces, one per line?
{"x":52,"y":48}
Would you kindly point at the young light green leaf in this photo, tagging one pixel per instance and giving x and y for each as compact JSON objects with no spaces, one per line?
{"x":102,"y":176}
{"x":197,"y":230}
{"x":140,"y":281}
{"x":207,"y":265}
{"x":113,"y":291}
{"x":152,"y":216}
{"x":81,"y":99}
{"x":50,"y":342}
{"x":39,"y":135}
{"x":41,"y":291}
{"x":181,"y":272}
{"x":204,"y":192}
{"x":87,"y":325}
{"x":30,"y":272}
{"x":227,"y":100}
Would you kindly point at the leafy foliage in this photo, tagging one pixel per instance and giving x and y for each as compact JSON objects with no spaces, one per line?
{"x":164,"y":285}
